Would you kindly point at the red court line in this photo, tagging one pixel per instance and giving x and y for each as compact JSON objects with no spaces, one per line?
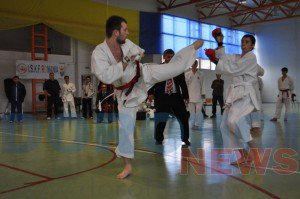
{"x":24,"y":171}
{"x":228,"y":175}
{"x":48,"y":179}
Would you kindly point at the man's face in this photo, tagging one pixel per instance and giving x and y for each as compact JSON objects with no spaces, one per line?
{"x":247,"y":45}
{"x":122,"y":34}
{"x":103,"y":88}
{"x":16,"y":80}
{"x":283,"y":72}
{"x":51,"y":76}
{"x":195,"y":64}
{"x":66,"y":80}
{"x":218,"y":76}
{"x":88,"y":80}
{"x":168,"y":57}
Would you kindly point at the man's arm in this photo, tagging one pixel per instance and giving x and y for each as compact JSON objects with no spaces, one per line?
{"x":45,"y":88}
{"x":183,"y":86}
{"x":213,"y":85}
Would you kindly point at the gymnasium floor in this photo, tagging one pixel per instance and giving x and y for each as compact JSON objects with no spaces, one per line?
{"x":76,"y":159}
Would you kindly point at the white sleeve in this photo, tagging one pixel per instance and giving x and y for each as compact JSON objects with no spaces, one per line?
{"x":187,"y":78}
{"x":220,"y":52}
{"x":260,"y":71}
{"x":100,"y":67}
{"x":73,"y":88}
{"x":230,"y":66}
{"x":133,"y":48}
{"x":203,"y":86}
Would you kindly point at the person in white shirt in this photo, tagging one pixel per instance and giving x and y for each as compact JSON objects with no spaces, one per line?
{"x":87,"y":97}
{"x":196,"y":87}
{"x":286,"y":90}
{"x":117,"y":61}
{"x":68,"y":91}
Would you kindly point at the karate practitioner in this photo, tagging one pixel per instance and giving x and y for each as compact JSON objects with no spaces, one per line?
{"x":286,"y":90}
{"x":241,"y":98}
{"x":116,"y":61}
{"x":195,"y":81}
{"x":68,"y":98}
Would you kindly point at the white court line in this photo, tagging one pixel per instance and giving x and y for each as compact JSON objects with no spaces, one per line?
{"x":138,"y":150}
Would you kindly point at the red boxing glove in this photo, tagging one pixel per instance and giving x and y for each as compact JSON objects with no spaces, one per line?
{"x":211,"y":54}
{"x":216,"y":32}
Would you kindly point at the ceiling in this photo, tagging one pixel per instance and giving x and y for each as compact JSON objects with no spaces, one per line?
{"x":240,"y":12}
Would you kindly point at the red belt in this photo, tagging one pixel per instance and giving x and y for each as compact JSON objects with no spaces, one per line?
{"x":134,"y":80}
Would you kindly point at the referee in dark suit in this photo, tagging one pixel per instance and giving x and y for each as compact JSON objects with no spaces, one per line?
{"x":170,"y":97}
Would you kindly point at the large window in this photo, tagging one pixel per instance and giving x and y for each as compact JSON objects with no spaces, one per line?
{"x":179,"y":32}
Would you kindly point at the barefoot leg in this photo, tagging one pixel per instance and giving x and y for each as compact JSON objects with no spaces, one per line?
{"x":198,"y":44}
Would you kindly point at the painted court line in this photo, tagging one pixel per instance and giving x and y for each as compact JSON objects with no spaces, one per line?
{"x":48,"y":179}
{"x":138,"y":150}
{"x":147,"y":151}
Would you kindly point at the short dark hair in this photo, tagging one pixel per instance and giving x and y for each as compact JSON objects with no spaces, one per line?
{"x":66,"y":77}
{"x":51,"y":73}
{"x":113,"y":23}
{"x":285,"y":69}
{"x":252,"y":38}
{"x":169,"y":51}
{"x":16,"y":77}
{"x":88,"y":77}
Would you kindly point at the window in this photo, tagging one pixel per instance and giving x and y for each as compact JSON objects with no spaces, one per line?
{"x":206,"y":64}
{"x":179,"y":32}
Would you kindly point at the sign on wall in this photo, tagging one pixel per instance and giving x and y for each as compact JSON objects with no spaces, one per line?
{"x":39,"y":69}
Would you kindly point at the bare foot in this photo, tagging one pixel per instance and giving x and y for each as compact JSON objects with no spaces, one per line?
{"x":198,"y":44}
{"x":125,"y":173}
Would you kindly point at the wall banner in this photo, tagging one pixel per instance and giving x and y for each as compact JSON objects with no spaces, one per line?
{"x":39,"y":69}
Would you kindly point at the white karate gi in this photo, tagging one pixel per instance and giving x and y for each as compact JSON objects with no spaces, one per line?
{"x":196,"y":88}
{"x":68,"y":98}
{"x":241,"y":98}
{"x":109,"y":71}
{"x":257,"y":115}
{"x":286,"y":89}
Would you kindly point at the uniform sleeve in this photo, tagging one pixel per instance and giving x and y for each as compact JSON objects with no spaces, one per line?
{"x":73,"y":88}
{"x":100,"y":67}
{"x":203,"y":85}
{"x":187,"y":78}
{"x":260,"y":71}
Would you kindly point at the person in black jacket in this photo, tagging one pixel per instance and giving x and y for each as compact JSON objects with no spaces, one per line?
{"x":16,"y":96}
{"x":218,"y":88}
{"x":106,"y":104}
{"x":52,"y":91}
{"x":170,"y":97}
